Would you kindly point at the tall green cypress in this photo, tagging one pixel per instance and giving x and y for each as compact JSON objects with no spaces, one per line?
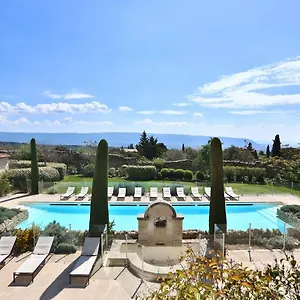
{"x":217,"y":211}
{"x":34,"y":169}
{"x":99,"y":202}
{"x":276,"y":148}
{"x":268,"y":151}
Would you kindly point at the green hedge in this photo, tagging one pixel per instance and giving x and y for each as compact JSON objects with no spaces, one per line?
{"x":141,"y":172}
{"x":26,"y":164}
{"x":200,"y":176}
{"x":290,"y":214}
{"x":88,"y":170}
{"x":176,"y":174}
{"x":4,"y":186}
{"x":19,"y":177}
{"x":245,"y":174}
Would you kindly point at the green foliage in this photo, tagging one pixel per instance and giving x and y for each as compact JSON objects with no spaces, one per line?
{"x":7,"y":213}
{"x":239,"y":154}
{"x":149,"y":146}
{"x":217,"y":211}
{"x":276,"y":148}
{"x":25,"y":239}
{"x":240,"y":174}
{"x":4,"y":186}
{"x":18,"y":178}
{"x":61,"y":168}
{"x":88,"y":170}
{"x":113,"y":172}
{"x":178,"y":174}
{"x":59,"y":232}
{"x":48,"y":174}
{"x":158,"y":176}
{"x":216,"y":278}
{"x":123,"y":171}
{"x":268,"y":151}
{"x":200,"y":176}
{"x":23,"y":164}
{"x":174,"y":155}
{"x":99,"y":202}
{"x":34,"y":169}
{"x":203,"y":159}
{"x":141,"y":172}
{"x":188,"y":175}
{"x":65,"y":248}
{"x":159,"y":163}
{"x":290,"y":214}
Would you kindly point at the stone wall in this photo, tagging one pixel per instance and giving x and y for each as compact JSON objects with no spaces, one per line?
{"x":16,"y":220}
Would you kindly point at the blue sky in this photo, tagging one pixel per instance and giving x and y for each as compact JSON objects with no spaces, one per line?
{"x":224,"y":68}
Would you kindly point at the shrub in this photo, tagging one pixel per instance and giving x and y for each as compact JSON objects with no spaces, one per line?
{"x":159,"y":176}
{"x":112,"y":172}
{"x":59,"y":232}
{"x":200,"y":176}
{"x":18,"y":178}
{"x":25,"y":239}
{"x":72,"y":170}
{"x":178,"y":174}
{"x":164,"y":173}
{"x":4,"y":186}
{"x":159,"y":163}
{"x":141,"y":172}
{"x":123,"y":171}
{"x":188,"y":175}
{"x":88,"y":170}
{"x":61,"y":168}
{"x":65,"y":248}
{"x":23,"y":164}
{"x":49,"y":174}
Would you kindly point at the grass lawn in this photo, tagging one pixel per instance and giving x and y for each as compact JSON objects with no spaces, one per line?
{"x":239,"y":188}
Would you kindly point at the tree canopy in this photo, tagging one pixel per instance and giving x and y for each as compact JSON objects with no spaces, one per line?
{"x":149,"y":146}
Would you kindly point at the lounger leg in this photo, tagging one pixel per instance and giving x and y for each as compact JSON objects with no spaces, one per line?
{"x":14,"y":277}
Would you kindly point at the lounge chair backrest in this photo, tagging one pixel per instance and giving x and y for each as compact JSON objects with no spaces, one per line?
{"x":90,"y":246}
{"x":166,"y":190}
{"x":110,"y":189}
{"x":6,"y":244}
{"x":70,"y":190}
{"x":229,"y":190}
{"x":180,"y":190}
{"x":43,"y":245}
{"x":122,"y":191}
{"x":138,"y":190}
{"x":84,"y":190}
{"x":195,"y":190}
{"x":207,"y":190}
{"x":153,"y":190}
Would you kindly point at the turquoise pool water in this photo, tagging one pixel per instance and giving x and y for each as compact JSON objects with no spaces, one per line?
{"x":239,"y":215}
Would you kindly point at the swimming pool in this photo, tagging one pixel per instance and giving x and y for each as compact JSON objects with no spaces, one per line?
{"x":239,"y":215}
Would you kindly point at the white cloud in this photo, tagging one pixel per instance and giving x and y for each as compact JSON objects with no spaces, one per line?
{"x":61,"y":107}
{"x":172,"y":112}
{"x":146,"y":112}
{"x":73,"y":95}
{"x":20,"y":121}
{"x":244,"y":90}
{"x":198,"y":114}
{"x":182,"y":104}
{"x":151,"y":122}
{"x":254,"y":112}
{"x":125,"y":108}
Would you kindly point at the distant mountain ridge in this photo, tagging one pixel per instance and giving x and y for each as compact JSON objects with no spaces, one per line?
{"x":119,"y":139}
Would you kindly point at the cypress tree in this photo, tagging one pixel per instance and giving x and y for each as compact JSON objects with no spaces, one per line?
{"x":217,"y":210}
{"x":34,"y":169}
{"x":276,"y":149}
{"x":99,"y":203}
{"x":182,"y":148}
{"x":268,"y":151}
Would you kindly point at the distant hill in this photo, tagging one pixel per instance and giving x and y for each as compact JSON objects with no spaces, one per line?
{"x":118,"y":139}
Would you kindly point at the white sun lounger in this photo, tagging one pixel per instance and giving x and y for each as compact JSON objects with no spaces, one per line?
{"x":122,"y":194}
{"x":153,"y":193}
{"x":207,"y":192}
{"x":83,"y":193}
{"x":167,"y":193}
{"x":68,"y":194}
{"x":85,"y":264}
{"x":195,"y":193}
{"x":137,"y":193}
{"x":37,"y":258}
{"x":6,"y":246}
{"x":180,"y":193}
{"x":231,"y":194}
{"x":110,"y":191}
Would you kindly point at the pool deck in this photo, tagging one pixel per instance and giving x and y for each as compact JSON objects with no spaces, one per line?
{"x":113,"y":283}
{"x":277,"y":198}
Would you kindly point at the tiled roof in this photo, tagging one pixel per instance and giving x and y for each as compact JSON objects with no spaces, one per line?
{"x":3,"y":155}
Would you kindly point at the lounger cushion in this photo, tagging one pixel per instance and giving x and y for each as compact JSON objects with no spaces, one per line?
{"x":84,"y":265}
{"x":6,"y":244}
{"x":44,"y":244}
{"x":31,"y":264}
{"x":3,"y":257}
{"x":91,"y":246}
